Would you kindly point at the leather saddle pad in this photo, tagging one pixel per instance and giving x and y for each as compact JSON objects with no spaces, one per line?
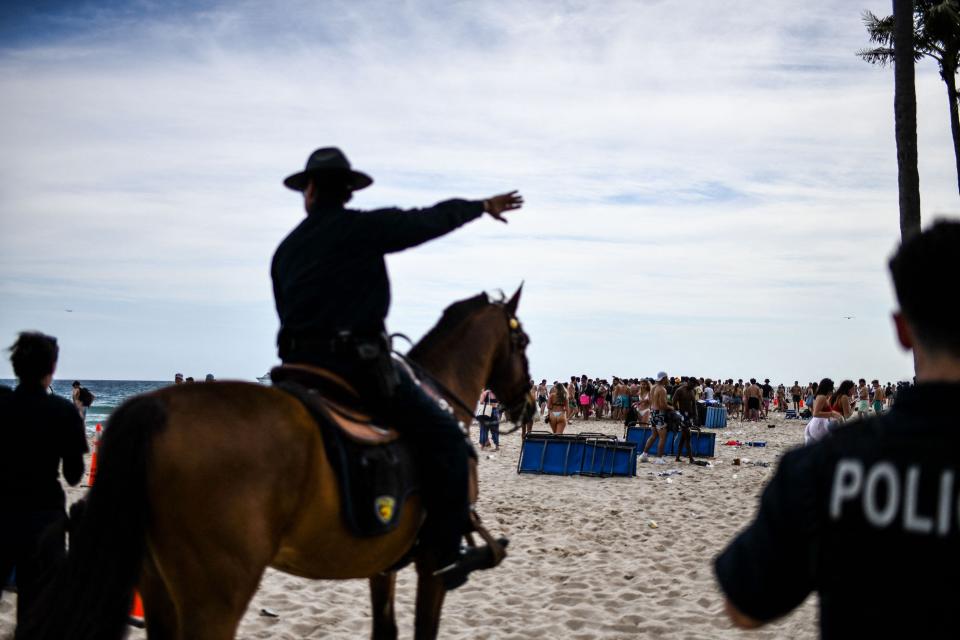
{"x":373,"y":465}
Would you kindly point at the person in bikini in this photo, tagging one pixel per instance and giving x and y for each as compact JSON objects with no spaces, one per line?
{"x":658,"y":418}
{"x":601,"y":400}
{"x":643,"y":405}
{"x":557,"y":408}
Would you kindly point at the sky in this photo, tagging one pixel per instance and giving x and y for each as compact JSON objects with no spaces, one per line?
{"x":710,"y":187}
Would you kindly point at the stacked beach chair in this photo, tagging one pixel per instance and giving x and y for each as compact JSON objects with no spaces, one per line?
{"x":586,"y":454}
{"x":597,"y":454}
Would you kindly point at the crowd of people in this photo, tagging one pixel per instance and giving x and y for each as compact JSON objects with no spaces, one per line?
{"x":584,"y":398}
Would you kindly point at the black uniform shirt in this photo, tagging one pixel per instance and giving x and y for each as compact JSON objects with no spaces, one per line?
{"x":869,"y":518}
{"x":329,"y":274}
{"x":38,"y":430}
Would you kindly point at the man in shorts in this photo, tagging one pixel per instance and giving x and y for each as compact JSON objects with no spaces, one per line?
{"x":795,"y":392}
{"x":658,"y":418}
{"x":751,"y":399}
{"x":767,"y":397}
{"x":684,"y":399}
{"x":878,"y":397}
{"x":542,"y":395}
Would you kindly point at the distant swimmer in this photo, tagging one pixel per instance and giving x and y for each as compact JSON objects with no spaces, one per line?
{"x":869,"y":516}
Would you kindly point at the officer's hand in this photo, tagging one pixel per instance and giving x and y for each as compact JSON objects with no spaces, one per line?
{"x":497,"y":205}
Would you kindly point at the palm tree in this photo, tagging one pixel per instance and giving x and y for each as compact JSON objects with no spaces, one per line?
{"x":936,"y":34}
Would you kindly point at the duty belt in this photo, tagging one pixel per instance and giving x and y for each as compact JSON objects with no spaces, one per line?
{"x":342,"y":343}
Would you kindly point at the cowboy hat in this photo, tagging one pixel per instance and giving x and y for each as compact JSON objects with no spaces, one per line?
{"x":327,"y":159}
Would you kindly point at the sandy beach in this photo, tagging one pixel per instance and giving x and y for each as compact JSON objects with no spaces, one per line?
{"x":584,"y":561}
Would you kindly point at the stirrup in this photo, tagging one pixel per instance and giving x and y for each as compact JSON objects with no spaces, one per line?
{"x":473,"y":559}
{"x":476,"y":557}
{"x":496,"y":545}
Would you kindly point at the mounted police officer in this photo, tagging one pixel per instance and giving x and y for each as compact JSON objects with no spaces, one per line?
{"x":869,"y":517}
{"x":332,"y":295}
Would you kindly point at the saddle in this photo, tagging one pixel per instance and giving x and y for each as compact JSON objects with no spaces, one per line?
{"x":374,"y":468}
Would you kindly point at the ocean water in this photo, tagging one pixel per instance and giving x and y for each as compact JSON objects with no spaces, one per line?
{"x":108,"y":395}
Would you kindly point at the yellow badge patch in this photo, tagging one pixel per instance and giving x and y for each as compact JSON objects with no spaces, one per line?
{"x":384,"y":506}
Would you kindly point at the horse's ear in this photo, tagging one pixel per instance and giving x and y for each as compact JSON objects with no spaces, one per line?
{"x":514,"y":301}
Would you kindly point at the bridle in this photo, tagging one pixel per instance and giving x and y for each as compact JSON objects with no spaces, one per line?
{"x":518,"y":341}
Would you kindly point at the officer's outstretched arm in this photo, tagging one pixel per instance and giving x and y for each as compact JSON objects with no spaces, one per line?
{"x":392,"y":230}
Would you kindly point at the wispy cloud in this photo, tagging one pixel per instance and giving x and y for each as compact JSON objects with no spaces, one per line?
{"x":702,"y":178}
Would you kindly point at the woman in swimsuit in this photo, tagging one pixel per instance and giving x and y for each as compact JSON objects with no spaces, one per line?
{"x":643,"y":405}
{"x":557,"y":407}
{"x":840,"y":401}
{"x":823,"y":413}
{"x":601,"y":400}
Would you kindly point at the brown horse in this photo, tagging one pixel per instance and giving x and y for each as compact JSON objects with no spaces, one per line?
{"x":202,"y":487}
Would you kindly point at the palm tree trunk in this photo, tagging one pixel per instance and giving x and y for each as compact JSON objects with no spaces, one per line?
{"x":948,"y":76}
{"x":905,"y":118}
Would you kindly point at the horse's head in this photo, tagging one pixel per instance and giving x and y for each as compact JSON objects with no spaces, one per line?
{"x":510,"y":374}
{"x":480,"y":344}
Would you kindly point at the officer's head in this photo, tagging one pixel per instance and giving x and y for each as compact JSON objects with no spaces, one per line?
{"x":928,"y":317}
{"x":34,"y":357}
{"x":327,"y":179}
{"x":328,"y":188}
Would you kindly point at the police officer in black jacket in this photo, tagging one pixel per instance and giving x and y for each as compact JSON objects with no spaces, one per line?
{"x":39,"y":430}
{"x":869,"y":517}
{"x":332,"y":295}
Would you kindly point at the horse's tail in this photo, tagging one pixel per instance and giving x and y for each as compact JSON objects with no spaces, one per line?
{"x":91,"y":593}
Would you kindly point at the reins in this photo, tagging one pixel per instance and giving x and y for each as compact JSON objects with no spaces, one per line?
{"x":423,"y":374}
{"x":442,"y":388}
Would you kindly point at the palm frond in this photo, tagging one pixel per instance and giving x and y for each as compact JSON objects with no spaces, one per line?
{"x":881,"y":55}
{"x":880,"y":30}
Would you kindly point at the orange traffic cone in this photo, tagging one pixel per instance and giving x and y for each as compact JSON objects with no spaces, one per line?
{"x":136,"y":612}
{"x":93,"y":457}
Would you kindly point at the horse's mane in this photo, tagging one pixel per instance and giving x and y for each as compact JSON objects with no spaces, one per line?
{"x":451,"y":318}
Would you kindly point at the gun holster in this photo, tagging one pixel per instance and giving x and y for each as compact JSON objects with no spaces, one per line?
{"x":377,"y":362}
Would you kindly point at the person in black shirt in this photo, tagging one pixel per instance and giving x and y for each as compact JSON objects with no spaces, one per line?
{"x":684,"y":401}
{"x":39,"y":430}
{"x":869,"y":516}
{"x":767,"y":390}
{"x":332,"y":294}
